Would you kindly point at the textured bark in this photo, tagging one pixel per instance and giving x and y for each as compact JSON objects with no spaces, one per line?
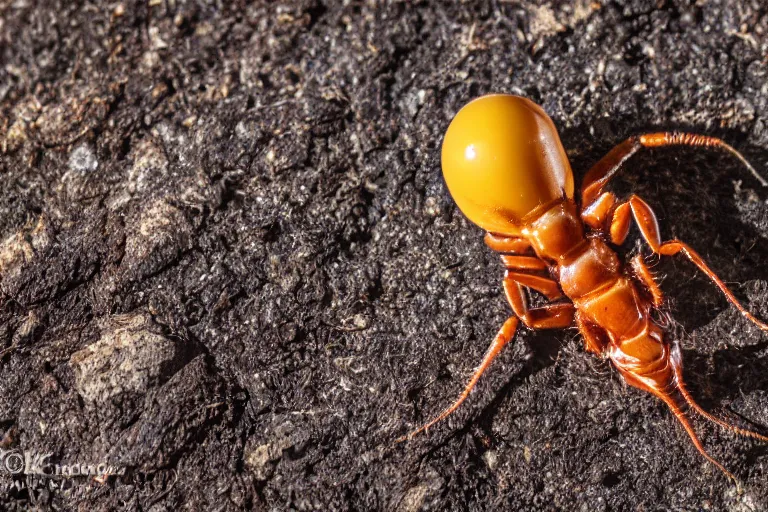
{"x":229,"y":263}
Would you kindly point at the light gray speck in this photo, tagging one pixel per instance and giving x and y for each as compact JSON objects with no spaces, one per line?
{"x":82,"y":159}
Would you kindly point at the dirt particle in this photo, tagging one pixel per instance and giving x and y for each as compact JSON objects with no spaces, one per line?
{"x":130,"y":356}
{"x":82,"y":159}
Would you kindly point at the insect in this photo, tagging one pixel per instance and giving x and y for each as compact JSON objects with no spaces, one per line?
{"x":506,"y":169}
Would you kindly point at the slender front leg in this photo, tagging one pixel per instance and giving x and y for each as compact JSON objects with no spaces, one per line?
{"x":649,"y":229}
{"x":597,"y":213}
{"x":505,"y":335}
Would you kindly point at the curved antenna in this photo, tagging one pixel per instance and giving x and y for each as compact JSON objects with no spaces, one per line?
{"x":607,"y":167}
{"x":654,"y":140}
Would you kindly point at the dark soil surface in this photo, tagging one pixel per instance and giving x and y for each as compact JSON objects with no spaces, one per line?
{"x":230,"y":268}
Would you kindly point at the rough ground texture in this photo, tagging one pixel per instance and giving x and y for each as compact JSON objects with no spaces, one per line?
{"x":229,"y":263}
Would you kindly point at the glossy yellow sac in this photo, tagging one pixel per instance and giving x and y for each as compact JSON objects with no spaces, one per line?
{"x":502,"y":158}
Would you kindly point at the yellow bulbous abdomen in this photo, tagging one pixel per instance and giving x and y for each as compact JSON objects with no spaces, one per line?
{"x":502,"y":159}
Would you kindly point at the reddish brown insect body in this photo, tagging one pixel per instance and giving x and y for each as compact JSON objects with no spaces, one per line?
{"x":505,"y":167}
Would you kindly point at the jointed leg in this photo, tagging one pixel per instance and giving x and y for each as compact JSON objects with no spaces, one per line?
{"x":556,"y":315}
{"x":551,"y":316}
{"x":602,"y":172}
{"x":605,"y":169}
{"x":505,"y":335}
{"x":597,"y":213}
{"x":514,"y":259}
{"x":506,"y":244}
{"x":543,"y":285}
{"x":649,"y":229}
{"x":594,"y":338}
{"x":644,"y":274}
{"x":523,"y":262}
{"x":517,"y":271}
{"x":548,"y":317}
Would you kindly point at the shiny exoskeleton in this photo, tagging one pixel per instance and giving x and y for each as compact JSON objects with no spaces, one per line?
{"x":507,"y":170}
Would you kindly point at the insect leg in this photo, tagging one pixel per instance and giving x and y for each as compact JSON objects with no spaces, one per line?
{"x":504,"y":336}
{"x":649,"y":229}
{"x":523,"y":262}
{"x":543,"y":285}
{"x":506,"y":244}
{"x":607,"y":167}
{"x":645,"y":276}
{"x":597,"y":213}
{"x":594,"y":338}
{"x":551,"y":316}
